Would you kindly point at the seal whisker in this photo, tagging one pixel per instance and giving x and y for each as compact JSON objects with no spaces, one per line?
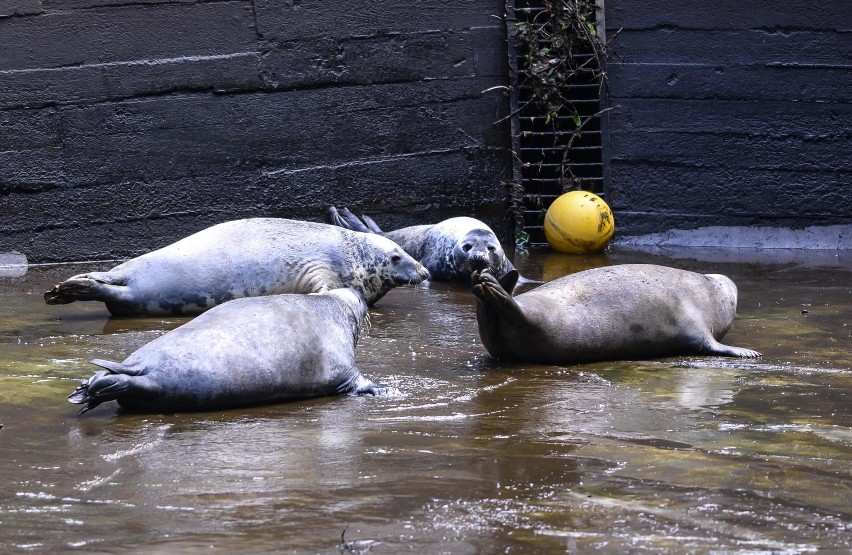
{"x":366,"y":324}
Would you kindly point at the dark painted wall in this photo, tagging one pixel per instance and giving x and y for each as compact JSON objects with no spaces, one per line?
{"x":730,"y":113}
{"x":127,"y":125}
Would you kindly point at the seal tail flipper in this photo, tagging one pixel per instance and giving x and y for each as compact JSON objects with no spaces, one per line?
{"x":102,"y":387}
{"x":80,"y":396}
{"x":115,"y":381}
{"x":116,"y":367}
{"x":96,"y":286}
{"x":346,"y":219}
{"x":371,"y":224}
{"x":495,"y":295}
{"x":509,"y":280}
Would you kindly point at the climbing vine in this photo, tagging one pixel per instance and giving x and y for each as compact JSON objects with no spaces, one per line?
{"x":557,"y":45}
{"x":558,"y":48}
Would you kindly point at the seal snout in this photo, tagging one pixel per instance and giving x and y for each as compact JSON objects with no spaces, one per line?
{"x":478,"y":261}
{"x":479,"y":250}
{"x":408,"y":270}
{"x":422,"y":273}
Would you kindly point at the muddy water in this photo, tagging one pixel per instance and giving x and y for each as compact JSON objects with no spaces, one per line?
{"x":676,"y":455}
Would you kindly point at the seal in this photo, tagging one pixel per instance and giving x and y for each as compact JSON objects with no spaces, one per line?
{"x":249,"y":351}
{"x":611,"y":313}
{"x":245,"y":258}
{"x":451,"y":250}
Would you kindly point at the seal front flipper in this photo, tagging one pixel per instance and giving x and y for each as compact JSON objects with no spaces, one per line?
{"x":94,"y":286}
{"x":358,"y":384}
{"x":713,"y":347}
{"x":376,"y":390}
{"x":526,"y":284}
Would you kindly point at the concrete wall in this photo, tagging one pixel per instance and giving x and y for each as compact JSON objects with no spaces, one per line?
{"x":730,"y":113}
{"x":127,"y":125}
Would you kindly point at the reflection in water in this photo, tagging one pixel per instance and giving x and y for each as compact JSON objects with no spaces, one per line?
{"x":678,"y":455}
{"x":705,"y":390}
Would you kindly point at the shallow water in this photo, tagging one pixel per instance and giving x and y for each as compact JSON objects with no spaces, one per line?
{"x":677,"y":455}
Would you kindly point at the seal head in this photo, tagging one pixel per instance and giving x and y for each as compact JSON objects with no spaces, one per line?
{"x":379,"y":265}
{"x":451,"y":249}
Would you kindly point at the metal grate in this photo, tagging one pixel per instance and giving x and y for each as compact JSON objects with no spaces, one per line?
{"x":548,"y":162}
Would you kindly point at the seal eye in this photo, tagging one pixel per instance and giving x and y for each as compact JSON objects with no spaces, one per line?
{"x":491,"y":248}
{"x":466,"y":247}
{"x":396,"y":258}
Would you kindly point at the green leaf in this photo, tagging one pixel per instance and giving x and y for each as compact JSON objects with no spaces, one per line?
{"x":576,"y":120}
{"x":592,"y":30}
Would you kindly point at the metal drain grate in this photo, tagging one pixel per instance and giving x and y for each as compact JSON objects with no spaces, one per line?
{"x":550,"y":159}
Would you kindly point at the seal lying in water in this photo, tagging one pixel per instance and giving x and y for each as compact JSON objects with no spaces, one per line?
{"x":610,"y":313}
{"x":451,"y":250}
{"x":244,"y":352}
{"x":245,"y":258}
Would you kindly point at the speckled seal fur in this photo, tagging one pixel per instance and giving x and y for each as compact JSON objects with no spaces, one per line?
{"x":245,"y":258}
{"x":245,"y":352}
{"x":617,"y":312}
{"x":451,"y":250}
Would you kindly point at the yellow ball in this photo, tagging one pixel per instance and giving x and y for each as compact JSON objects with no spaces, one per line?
{"x":579,"y":222}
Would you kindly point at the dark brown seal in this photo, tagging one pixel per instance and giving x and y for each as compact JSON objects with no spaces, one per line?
{"x":617,"y":312}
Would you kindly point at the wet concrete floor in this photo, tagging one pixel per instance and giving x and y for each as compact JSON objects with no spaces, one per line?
{"x":692,"y":455}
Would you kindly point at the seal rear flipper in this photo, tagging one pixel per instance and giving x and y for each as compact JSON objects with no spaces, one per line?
{"x":96,"y":286}
{"x":347,"y":220}
{"x":103,"y":386}
{"x":509,"y":280}
{"x":117,"y":367}
{"x":371,"y":224}
{"x":494,"y":297}
{"x":81,"y":395}
{"x":108,"y":386}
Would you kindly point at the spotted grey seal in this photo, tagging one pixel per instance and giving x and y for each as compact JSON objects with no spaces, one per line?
{"x":451,"y":250}
{"x":247,"y":351}
{"x":610,"y":313}
{"x":245,"y":258}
